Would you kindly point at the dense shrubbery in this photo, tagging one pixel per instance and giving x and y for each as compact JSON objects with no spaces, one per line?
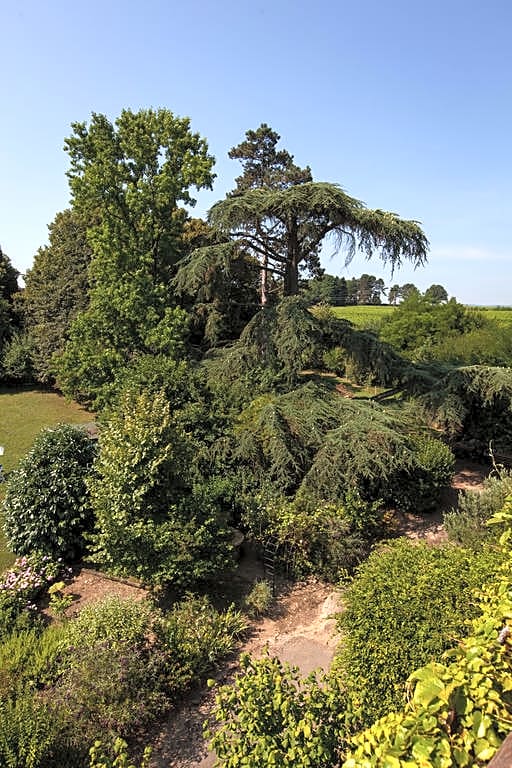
{"x":405,"y":606}
{"x":46,"y":506}
{"x":271,"y":716}
{"x":473,"y":405}
{"x":19,"y":588}
{"x":111,"y":672}
{"x":153,"y":517}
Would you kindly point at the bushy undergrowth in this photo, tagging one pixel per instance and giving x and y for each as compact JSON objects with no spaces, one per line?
{"x":111,"y":672}
{"x":406,"y":604}
{"x":19,"y":588}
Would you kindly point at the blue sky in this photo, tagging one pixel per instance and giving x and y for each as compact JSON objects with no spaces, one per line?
{"x":406,"y":104}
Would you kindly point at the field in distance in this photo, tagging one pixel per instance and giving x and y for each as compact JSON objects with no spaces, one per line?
{"x":371,"y":316}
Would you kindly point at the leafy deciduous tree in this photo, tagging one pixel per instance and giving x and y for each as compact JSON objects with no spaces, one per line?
{"x":130,"y":179}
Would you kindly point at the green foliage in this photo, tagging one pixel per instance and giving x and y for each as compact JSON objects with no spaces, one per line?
{"x":270,"y":716}
{"x":325,"y":539}
{"x":129,"y":180}
{"x":324,"y":446}
{"x":474,"y":406}
{"x":107,"y":691}
{"x":46,"y":506}
{"x":20,"y":586}
{"x":283,"y":228}
{"x":29,"y":658}
{"x":420,"y":325}
{"x":459,"y":710}
{"x":403,"y":609}
{"x":119,"y":623}
{"x":116,"y":757}
{"x":152,"y":522}
{"x":466,"y":525}
{"x":17,"y":362}
{"x":8,"y":290}
{"x":195,"y":636}
{"x":260,"y":598}
{"x":28,"y":731}
{"x":56,"y":290}
{"x":433,"y":465}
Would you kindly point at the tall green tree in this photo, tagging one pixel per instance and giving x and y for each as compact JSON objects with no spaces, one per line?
{"x":284,"y":227}
{"x":56,"y":289}
{"x":266,"y":167}
{"x":8,"y":289}
{"x":133,"y":178}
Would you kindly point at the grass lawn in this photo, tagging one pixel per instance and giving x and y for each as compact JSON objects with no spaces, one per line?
{"x":23,"y":413}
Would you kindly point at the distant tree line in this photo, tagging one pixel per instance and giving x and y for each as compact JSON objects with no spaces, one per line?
{"x":367,"y":289}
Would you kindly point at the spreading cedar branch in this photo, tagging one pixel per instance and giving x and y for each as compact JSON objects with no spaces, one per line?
{"x":283,"y":228}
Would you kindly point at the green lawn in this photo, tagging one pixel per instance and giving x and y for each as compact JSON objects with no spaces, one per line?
{"x":23,"y":413}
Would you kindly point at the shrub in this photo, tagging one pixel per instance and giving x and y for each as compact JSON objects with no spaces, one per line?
{"x":28,"y":731}
{"x":403,"y":608}
{"x":30,"y":658}
{"x":110,"y":691}
{"x":466,"y":525}
{"x":259,"y":599}
{"x":115,"y":757}
{"x":152,"y":522}
{"x":270,"y":716}
{"x":195,"y":636}
{"x":46,"y":505}
{"x":116,"y":622}
{"x":323,"y":538}
{"x":420,"y":489}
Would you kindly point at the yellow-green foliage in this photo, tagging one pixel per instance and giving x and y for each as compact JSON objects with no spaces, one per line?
{"x":459,"y":710}
{"x":364,"y":316}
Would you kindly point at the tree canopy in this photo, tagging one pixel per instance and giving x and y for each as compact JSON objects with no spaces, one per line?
{"x":281,"y":217}
{"x":130,"y":179}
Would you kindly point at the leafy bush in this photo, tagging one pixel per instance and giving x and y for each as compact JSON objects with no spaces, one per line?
{"x":46,"y":506}
{"x":474,"y":407}
{"x":419,"y":490}
{"x":28,"y":731}
{"x":110,"y":691}
{"x":459,"y":710}
{"x":195,"y":636}
{"x":403,"y":608}
{"x":116,"y":757}
{"x":270,"y":716}
{"x":30,"y":658}
{"x":117,"y":622}
{"x":260,"y":598}
{"x":466,"y":525}
{"x":152,"y":522}
{"x":323,"y":538}
{"x":18,"y":359}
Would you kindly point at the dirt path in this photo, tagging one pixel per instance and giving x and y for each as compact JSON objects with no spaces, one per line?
{"x":468,"y":476}
{"x":300,"y":630}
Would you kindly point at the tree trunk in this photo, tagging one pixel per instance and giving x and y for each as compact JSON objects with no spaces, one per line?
{"x":264,"y":281}
{"x":291,"y":275}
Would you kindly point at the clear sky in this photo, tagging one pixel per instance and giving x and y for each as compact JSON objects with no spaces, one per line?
{"x":405,"y":103}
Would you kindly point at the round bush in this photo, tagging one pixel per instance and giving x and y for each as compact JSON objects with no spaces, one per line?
{"x":46,"y":506}
{"x":407,"y":603}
